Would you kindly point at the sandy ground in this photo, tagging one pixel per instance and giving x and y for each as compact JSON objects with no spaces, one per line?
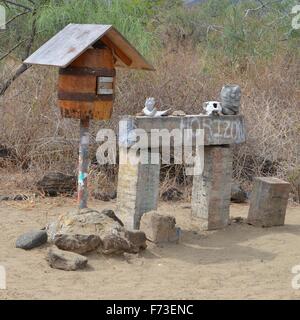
{"x":240,"y":262}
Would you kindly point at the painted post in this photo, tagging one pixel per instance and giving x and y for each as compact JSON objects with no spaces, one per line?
{"x":83,"y":163}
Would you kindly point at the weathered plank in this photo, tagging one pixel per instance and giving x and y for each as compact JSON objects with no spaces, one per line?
{"x":74,"y":39}
{"x":218,"y":130}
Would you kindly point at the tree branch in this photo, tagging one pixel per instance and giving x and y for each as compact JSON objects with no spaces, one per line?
{"x":16,"y":16}
{"x":263,"y":5}
{"x":13,"y":48}
{"x":7,"y":2}
{"x":21,"y":69}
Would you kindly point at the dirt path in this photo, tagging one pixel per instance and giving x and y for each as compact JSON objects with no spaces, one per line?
{"x":241,"y":262}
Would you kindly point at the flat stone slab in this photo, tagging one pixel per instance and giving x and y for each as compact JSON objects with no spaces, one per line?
{"x":218,"y":130}
{"x":32,"y":239}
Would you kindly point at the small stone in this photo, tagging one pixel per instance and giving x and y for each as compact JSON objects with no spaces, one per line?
{"x":138,"y":240}
{"x":65,"y":260}
{"x":238,"y":195}
{"x":160,"y":228}
{"x":20,"y":197}
{"x":115,"y":244}
{"x":172,"y":194}
{"x":105,"y":196}
{"x":237,"y":220}
{"x":111,"y":214}
{"x":179,"y":113}
{"x":77,"y":243}
{"x":4,"y":198}
{"x":133,"y":258}
{"x":32,"y":240}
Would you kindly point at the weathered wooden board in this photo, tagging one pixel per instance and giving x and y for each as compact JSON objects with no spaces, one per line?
{"x":218,"y":130}
{"x":101,"y":110}
{"x":74,"y":39}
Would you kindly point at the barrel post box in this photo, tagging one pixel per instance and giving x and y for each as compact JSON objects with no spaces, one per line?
{"x":86,"y":86}
{"x":87,"y":55}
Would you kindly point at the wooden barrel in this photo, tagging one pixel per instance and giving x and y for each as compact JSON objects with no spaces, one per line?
{"x":86,"y":86}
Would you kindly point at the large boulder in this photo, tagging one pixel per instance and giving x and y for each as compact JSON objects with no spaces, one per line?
{"x":65,"y":260}
{"x":32,"y":239}
{"x":87,"y":230}
{"x":77,"y":243}
{"x":83,"y":222}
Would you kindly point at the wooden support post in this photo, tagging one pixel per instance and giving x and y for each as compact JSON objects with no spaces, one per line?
{"x":83,"y":163}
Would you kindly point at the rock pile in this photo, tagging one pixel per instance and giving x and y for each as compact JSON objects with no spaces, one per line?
{"x":89,"y":230}
{"x":77,"y":233}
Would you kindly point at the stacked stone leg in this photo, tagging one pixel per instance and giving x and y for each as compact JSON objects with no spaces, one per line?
{"x":211,"y":190}
{"x":138,"y":189}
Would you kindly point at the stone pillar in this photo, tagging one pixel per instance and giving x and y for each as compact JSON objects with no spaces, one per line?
{"x":212,"y":190}
{"x":138,"y":189}
{"x":268,"y":202}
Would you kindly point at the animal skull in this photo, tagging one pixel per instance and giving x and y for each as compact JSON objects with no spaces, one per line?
{"x":212,"y":108}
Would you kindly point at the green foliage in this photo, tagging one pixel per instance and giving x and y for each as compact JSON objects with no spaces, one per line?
{"x":220,"y":29}
{"x":235,"y":31}
{"x":129,"y":17}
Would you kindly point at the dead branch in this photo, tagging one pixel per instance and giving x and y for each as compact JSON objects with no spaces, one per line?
{"x":23,"y":67}
{"x":16,"y":16}
{"x":18,"y":5}
{"x":262,"y":6}
{"x":13,"y":48}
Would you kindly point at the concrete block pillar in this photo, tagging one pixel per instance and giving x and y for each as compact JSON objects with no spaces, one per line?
{"x":138,"y":189}
{"x":268,"y":202}
{"x":212,"y":190}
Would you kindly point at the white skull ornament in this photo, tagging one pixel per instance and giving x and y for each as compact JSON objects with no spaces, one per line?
{"x":212,"y":108}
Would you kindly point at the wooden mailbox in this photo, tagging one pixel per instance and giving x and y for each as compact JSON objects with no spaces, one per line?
{"x":86,"y":87}
{"x":86,"y":55}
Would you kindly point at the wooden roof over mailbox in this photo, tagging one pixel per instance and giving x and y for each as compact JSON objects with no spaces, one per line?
{"x":75,"y":39}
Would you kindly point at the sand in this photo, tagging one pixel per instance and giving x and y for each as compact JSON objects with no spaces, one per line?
{"x":239,"y":262}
